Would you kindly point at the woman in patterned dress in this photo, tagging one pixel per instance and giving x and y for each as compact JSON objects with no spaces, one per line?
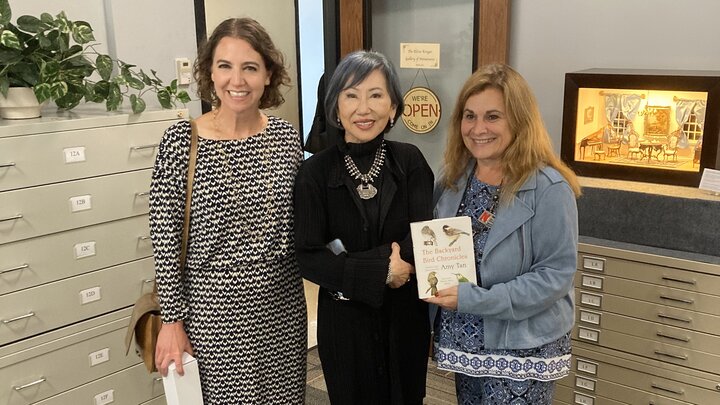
{"x":239,"y":305}
{"x":354,"y":202}
{"x":507,"y":338}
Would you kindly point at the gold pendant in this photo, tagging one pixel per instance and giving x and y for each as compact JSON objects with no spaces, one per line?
{"x":366,"y":191}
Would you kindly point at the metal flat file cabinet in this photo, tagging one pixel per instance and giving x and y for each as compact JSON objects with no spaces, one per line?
{"x":75,"y":254}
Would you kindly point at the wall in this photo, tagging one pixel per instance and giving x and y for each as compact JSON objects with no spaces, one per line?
{"x":134,"y":31}
{"x":278,"y":18}
{"x":552,"y":37}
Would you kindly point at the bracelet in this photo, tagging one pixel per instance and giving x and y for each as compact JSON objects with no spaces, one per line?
{"x":389,"y":277}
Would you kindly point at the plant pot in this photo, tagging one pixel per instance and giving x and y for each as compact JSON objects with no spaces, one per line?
{"x":20,"y":103}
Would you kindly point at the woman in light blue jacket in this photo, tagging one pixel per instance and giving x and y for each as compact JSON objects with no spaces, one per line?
{"x":507,"y":338}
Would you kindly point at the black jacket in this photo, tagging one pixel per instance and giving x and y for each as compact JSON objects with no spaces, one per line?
{"x":373,"y":347}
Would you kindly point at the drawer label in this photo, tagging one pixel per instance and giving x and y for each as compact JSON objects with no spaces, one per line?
{"x":81,"y":203}
{"x":581,"y":399}
{"x":592,"y":282}
{"x":587,"y":367}
{"x":85,"y":249}
{"x":591,"y":299}
{"x":90,"y":295}
{"x":590,"y":317}
{"x":106,"y":397}
{"x":74,"y":155}
{"x":589,"y":334}
{"x":585,"y":383}
{"x":100,"y":356}
{"x":593,"y":263}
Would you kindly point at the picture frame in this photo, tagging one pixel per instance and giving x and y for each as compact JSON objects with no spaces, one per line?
{"x":589,"y":114}
{"x":657,"y":120}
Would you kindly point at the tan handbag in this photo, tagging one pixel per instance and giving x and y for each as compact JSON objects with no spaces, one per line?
{"x":145,"y":322}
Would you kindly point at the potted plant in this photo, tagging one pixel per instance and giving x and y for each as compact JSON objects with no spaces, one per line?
{"x":57,"y":59}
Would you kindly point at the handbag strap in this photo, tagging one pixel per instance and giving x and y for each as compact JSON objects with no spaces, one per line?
{"x":188,"y":198}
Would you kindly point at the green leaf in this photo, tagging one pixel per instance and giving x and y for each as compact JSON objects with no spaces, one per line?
{"x":184,"y":97}
{"x":135,"y":83}
{"x":49,"y":70}
{"x":137,"y":104}
{"x":29,"y":23}
{"x":114,"y":98}
{"x":58,"y":90}
{"x":164,"y":98}
{"x":44,"y":41}
{"x":10,"y":40}
{"x":42,"y":92}
{"x":4,"y":86}
{"x":101,"y":90}
{"x":82,"y":32}
{"x":46,"y":18}
{"x":145,"y":78}
{"x":5,"y":12}
{"x":104,"y":66}
{"x":173,"y":86}
{"x":69,"y":101}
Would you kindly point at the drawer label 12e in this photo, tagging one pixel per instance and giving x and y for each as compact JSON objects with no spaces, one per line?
{"x":100,"y":356}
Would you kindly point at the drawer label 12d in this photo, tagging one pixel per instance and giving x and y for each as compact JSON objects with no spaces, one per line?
{"x":81,"y":203}
{"x":74,"y":155}
{"x":90,"y":295}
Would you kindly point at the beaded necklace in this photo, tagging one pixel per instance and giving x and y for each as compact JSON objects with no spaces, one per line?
{"x":365,"y":189}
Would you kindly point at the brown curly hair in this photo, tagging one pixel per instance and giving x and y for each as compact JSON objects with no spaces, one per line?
{"x":251,"y":31}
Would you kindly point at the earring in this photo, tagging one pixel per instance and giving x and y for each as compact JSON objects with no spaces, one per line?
{"x":339,"y":123}
{"x":392,"y":122}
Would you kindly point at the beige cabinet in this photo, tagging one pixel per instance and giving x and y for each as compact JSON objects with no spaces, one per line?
{"x":647,"y":329}
{"x":75,"y":254}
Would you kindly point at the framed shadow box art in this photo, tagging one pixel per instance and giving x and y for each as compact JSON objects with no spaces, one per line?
{"x":653,"y":126}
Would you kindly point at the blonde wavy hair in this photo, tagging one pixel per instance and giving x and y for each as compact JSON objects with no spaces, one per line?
{"x":530,"y":147}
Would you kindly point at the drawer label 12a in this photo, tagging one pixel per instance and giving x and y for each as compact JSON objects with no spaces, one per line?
{"x":85,"y":249}
{"x":90,"y":295}
{"x":74,"y":155}
{"x":106,"y":397}
{"x":80,"y":203}
{"x":100,"y":356}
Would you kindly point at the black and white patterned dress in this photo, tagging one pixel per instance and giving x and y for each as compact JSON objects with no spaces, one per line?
{"x":242,"y":298}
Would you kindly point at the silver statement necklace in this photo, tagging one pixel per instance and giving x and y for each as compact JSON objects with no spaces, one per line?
{"x":366,"y":190}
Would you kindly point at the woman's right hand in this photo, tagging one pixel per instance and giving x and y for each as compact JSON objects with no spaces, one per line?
{"x":400,"y":269}
{"x":171,"y":344}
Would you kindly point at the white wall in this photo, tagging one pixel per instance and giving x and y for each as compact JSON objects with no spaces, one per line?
{"x":549,"y":38}
{"x":149,"y":34}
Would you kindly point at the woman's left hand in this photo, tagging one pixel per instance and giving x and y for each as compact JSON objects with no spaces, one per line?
{"x":447,"y":298}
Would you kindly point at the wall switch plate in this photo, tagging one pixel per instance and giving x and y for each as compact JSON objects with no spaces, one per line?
{"x":183,"y":71}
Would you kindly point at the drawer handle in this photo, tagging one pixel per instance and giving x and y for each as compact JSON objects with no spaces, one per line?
{"x":674,"y":318}
{"x":670,"y":390}
{"x":16,"y":268}
{"x":683,"y":300}
{"x":144,"y":237}
{"x":8,"y":164}
{"x":148,"y":280}
{"x":679,"y":280}
{"x":11,"y":218}
{"x":678,"y":338}
{"x":157,"y":379}
{"x":18,"y":318}
{"x":142,"y":194}
{"x":150,"y":146}
{"x":28,"y":385}
{"x":671,"y":355}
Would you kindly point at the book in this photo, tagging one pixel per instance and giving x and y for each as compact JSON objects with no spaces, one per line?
{"x":185,"y":389}
{"x":444,"y":254}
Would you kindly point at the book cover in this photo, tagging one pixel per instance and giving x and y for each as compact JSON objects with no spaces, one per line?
{"x":183,"y":390}
{"x":444,"y":254}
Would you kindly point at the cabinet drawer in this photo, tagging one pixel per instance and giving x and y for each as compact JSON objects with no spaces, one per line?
{"x":651,"y":273}
{"x":607,"y":376}
{"x":130,"y":386}
{"x":156,"y":401}
{"x":71,"y":155}
{"x":43,"y":210}
{"x":650,"y":330}
{"x":31,"y":262}
{"x":672,"y":297}
{"x":35,"y":310}
{"x":664,"y":314}
{"x":82,"y":357}
{"x":664,"y":352}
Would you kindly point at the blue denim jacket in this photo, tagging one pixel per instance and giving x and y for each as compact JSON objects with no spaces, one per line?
{"x":526,"y":297}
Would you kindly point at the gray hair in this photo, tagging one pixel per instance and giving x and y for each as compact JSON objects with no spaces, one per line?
{"x":353,"y":69}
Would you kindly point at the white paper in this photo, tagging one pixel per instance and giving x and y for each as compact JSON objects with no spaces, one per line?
{"x":444,"y":254}
{"x":710,"y":181}
{"x":183,"y":390}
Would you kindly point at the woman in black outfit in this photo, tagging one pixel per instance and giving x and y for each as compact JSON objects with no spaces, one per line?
{"x":353,"y":206}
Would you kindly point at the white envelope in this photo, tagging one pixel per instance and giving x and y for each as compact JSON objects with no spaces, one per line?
{"x":183,"y":390}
